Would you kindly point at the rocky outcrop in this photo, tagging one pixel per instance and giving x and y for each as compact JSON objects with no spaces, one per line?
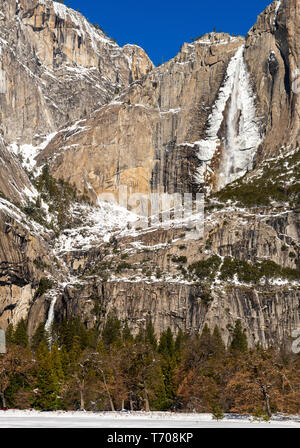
{"x":258,"y":237}
{"x":14,"y":183}
{"x":272,"y":53}
{"x":147,"y":276}
{"x":57,"y":67}
{"x":135,"y":140}
{"x":18,"y":247}
{"x":24,"y":259}
{"x":269,"y":317}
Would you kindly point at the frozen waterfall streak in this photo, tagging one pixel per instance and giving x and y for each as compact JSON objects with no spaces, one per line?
{"x":278,"y":4}
{"x":242,"y":133}
{"x":50,"y":317}
{"x":277,"y":7}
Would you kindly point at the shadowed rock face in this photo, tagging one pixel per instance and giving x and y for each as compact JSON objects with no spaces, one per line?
{"x":22,"y":251}
{"x":269,"y":317}
{"x":13,"y":180}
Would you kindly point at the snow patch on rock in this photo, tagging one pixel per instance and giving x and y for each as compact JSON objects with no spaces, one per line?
{"x":28,"y":153}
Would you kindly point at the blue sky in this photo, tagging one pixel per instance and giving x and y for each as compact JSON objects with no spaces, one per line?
{"x":162,"y":26}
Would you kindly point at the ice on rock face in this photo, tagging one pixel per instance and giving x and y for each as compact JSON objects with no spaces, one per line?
{"x":277,"y":6}
{"x":242,"y":131}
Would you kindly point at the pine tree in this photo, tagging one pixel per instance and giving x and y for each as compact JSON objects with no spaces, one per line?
{"x":239,"y":341}
{"x":39,"y":336}
{"x":156,"y":385}
{"x":167,"y":350}
{"x":66,"y":334}
{"x":166,"y":344}
{"x":42,"y":351}
{"x":205,"y":338}
{"x":65,"y":362}
{"x":75,"y":352}
{"x":150,"y":337}
{"x":56,"y":360}
{"x":112,"y":330}
{"x":218,"y":345}
{"x":47,"y":384}
{"x":205,"y":342}
{"x":179,"y":340}
{"x":20,"y":336}
{"x":126,"y":334}
{"x":9,"y":334}
{"x":140,"y":337}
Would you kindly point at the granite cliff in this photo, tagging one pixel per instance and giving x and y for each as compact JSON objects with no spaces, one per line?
{"x":58,"y":68}
{"x":80,"y":114}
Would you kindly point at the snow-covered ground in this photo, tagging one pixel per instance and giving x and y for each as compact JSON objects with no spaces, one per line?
{"x":110,"y":219}
{"x":59,"y":419}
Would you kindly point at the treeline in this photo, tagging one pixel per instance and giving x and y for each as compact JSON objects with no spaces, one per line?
{"x":80,"y":368}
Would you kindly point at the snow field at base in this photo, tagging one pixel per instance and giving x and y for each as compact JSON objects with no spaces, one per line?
{"x":105,"y":220}
{"x":28,"y":418}
{"x":101,"y":222}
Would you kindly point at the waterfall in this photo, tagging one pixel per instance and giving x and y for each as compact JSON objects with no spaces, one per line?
{"x":50,"y":317}
{"x":242,"y":132}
